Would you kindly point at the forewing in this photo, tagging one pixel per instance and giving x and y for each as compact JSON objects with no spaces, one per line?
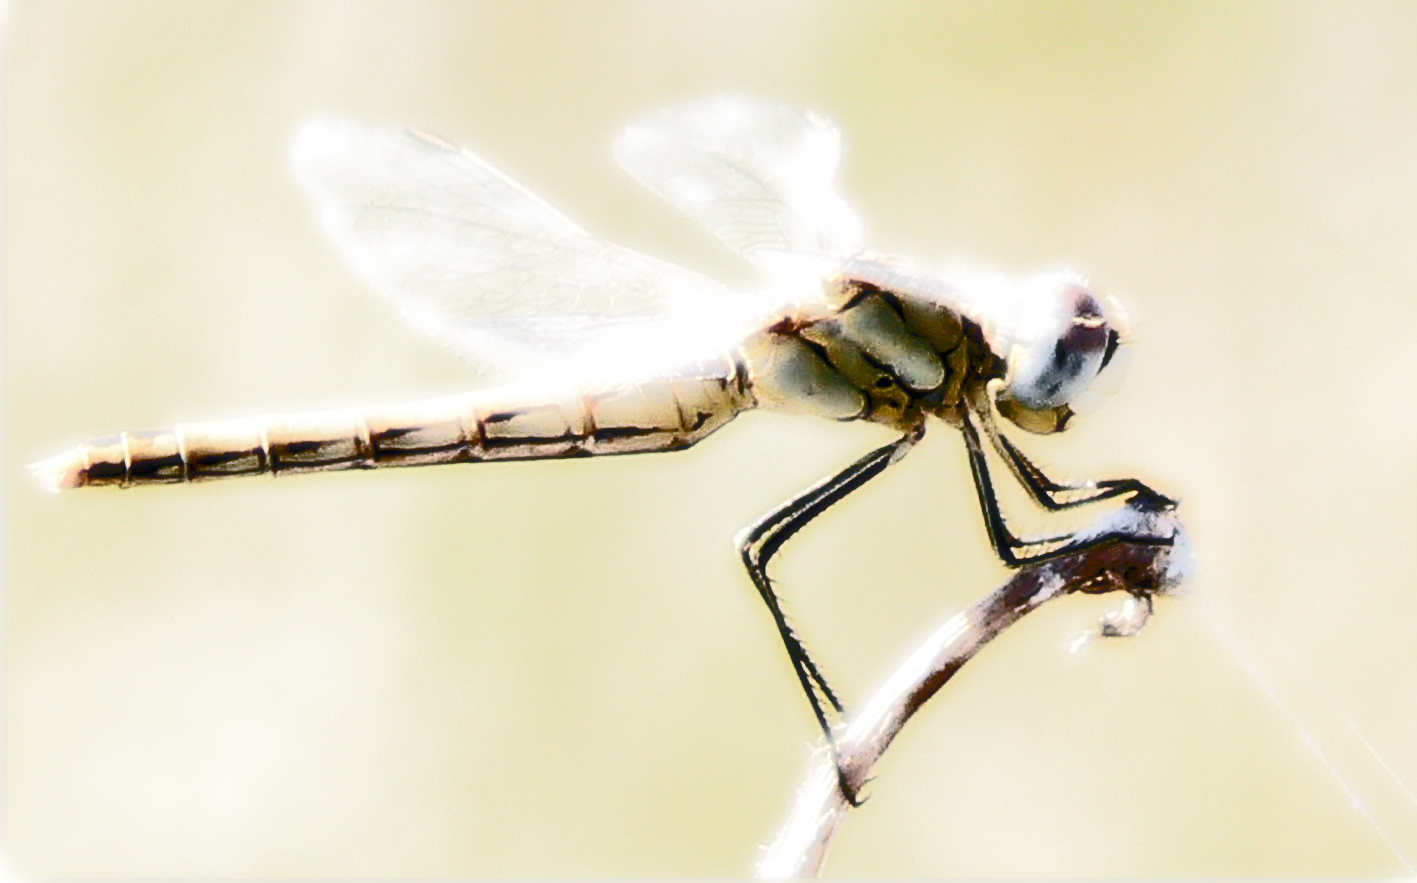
{"x":474,"y":259}
{"x":759,"y":175}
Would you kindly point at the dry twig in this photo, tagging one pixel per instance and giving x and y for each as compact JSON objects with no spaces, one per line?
{"x":1140,"y":568}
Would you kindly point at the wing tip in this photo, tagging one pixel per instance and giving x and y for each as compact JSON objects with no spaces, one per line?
{"x":311,"y":145}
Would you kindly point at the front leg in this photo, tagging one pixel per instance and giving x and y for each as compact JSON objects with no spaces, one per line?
{"x":1016,"y":551}
{"x":1053,"y":495}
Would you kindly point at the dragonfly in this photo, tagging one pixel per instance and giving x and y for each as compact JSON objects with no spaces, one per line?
{"x":588,"y":348}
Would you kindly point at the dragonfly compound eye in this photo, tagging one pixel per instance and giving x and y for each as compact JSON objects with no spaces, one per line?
{"x":1062,"y":339}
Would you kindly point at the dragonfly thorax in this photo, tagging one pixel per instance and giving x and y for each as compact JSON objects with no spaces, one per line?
{"x":878,"y":354}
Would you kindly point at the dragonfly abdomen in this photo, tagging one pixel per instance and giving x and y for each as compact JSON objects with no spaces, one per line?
{"x":497,"y":424}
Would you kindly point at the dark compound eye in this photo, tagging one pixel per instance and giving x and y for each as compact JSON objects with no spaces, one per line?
{"x":1113,"y":341}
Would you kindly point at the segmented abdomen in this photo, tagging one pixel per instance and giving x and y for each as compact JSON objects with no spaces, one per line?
{"x":496,"y":424}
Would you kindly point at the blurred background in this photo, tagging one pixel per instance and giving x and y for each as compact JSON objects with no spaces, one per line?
{"x":558,"y":668}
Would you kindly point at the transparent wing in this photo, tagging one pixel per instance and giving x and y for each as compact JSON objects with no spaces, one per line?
{"x":475,"y":260}
{"x":759,"y":175}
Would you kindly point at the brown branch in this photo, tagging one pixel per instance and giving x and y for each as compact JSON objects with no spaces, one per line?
{"x":1140,"y":567}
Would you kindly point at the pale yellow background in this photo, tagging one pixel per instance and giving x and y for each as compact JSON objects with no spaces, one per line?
{"x":558,"y":668}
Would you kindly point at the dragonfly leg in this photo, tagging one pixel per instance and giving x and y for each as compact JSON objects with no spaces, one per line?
{"x":757,"y":545}
{"x":1016,"y":551}
{"x":1053,"y":495}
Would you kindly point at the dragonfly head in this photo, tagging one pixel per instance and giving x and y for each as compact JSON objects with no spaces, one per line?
{"x":1063,"y":336}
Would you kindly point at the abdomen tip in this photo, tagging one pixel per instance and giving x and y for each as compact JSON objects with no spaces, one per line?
{"x":60,"y":472}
